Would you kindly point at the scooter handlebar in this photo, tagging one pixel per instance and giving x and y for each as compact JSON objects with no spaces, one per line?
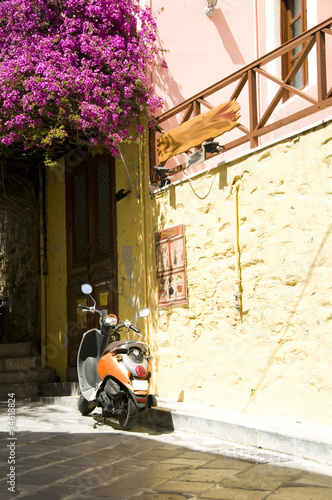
{"x":127,"y":324}
{"x":85,"y":308}
{"x":89,"y":309}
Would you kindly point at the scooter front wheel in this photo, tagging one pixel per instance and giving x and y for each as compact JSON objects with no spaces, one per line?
{"x":128,"y":417}
{"x":85,"y":407}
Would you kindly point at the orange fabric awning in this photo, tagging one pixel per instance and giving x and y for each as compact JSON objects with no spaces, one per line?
{"x":197,"y":130}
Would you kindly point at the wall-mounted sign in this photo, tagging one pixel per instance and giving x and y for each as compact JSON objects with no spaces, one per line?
{"x":103,"y":303}
{"x":192,"y":133}
{"x":171,"y":266}
{"x":103,"y":299}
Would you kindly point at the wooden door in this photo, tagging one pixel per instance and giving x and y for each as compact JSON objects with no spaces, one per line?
{"x":91,"y":242}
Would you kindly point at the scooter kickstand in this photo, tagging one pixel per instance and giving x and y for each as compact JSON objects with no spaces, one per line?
{"x":102,"y":421}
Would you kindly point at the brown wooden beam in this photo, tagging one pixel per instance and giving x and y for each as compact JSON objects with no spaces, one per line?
{"x":206,"y":103}
{"x":188,"y":113}
{"x":239,"y":87}
{"x":277,"y":98}
{"x":280,"y":123}
{"x":197,"y":108}
{"x":295,"y":116}
{"x":243,"y":129}
{"x":286,"y":86}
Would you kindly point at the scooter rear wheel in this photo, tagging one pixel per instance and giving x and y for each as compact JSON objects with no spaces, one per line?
{"x":85,"y":407}
{"x":128,"y":417}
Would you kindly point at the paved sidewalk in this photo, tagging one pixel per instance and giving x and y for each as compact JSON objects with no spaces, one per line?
{"x":311,"y":442}
{"x":59,"y":454}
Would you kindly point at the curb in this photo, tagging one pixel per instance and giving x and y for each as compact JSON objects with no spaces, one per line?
{"x":310,"y":442}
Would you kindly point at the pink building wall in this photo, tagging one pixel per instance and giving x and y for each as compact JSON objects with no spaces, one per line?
{"x":203,"y":50}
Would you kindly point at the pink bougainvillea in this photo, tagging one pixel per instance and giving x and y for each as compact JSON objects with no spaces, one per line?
{"x":74,"y":70}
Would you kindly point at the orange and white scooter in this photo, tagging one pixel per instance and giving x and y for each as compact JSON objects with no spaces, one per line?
{"x":114,"y":374}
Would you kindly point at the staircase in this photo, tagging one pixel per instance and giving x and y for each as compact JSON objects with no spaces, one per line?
{"x":20,"y":373}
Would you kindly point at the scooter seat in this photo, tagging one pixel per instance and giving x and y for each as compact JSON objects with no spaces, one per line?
{"x":122,"y":347}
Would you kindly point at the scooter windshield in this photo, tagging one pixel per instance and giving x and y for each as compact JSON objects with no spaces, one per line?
{"x":87,"y":363}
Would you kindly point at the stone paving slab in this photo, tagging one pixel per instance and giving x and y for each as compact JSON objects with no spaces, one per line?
{"x":60,"y":455}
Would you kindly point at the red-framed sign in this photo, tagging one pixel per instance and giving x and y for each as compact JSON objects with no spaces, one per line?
{"x":170,"y":253}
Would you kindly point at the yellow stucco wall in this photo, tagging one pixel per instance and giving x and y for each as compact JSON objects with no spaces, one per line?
{"x":276,"y":358}
{"x":131,"y":236}
{"x":56,"y":278}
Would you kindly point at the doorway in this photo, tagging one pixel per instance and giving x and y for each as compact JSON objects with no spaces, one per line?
{"x":91,"y":241}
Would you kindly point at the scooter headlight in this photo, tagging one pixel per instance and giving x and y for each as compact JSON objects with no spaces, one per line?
{"x":136,"y":355}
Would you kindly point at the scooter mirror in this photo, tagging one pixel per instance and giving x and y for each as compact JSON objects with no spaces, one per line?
{"x":144,"y":312}
{"x":86,"y":288}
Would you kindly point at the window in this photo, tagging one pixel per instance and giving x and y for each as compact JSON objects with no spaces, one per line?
{"x":293,"y":23}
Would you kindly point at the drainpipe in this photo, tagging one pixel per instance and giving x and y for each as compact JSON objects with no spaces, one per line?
{"x":238,"y":280}
{"x":43,"y":263}
{"x":143,"y":179}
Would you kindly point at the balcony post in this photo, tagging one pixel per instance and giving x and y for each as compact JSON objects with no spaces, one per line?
{"x":253,"y":115}
{"x":321,"y":66}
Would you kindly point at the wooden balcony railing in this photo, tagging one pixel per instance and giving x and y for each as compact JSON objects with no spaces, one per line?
{"x":246,"y":78}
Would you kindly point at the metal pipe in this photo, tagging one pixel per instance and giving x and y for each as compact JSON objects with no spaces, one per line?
{"x":128,"y":175}
{"x":238,"y":281}
{"x":142,"y":162}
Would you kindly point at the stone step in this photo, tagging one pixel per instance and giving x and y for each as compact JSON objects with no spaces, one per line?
{"x":71,"y":374}
{"x":21,"y":391}
{"x":37,"y":376}
{"x":17,"y":364}
{"x":58,"y":389}
{"x":20,"y":349}
{"x":35,"y":390}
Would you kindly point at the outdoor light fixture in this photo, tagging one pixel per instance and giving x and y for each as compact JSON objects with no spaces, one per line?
{"x":121,"y":194}
{"x":213,"y":147}
{"x":210,"y":9}
{"x":162,"y":171}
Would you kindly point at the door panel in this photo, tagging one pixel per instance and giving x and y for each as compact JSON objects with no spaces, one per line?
{"x":91,"y":241}
{"x":80,"y":226}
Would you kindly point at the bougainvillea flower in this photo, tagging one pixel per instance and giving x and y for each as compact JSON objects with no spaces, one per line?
{"x":74,"y":70}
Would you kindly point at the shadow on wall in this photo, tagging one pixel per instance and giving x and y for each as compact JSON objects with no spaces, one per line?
{"x":164,"y":80}
{"x":227,"y":38}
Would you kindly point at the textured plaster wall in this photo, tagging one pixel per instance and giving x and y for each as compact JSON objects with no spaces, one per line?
{"x":276,"y":358}
{"x":19,"y":266}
